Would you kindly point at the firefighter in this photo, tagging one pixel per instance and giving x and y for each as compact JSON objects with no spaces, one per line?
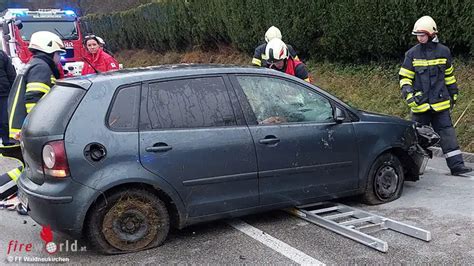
{"x":32,"y":84}
{"x":279,"y":59}
{"x":259,"y":56}
{"x":429,"y":88}
{"x":96,"y":59}
{"x":7,"y":76}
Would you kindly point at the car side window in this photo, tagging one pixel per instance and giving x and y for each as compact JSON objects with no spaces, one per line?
{"x":125,"y":109}
{"x":276,"y":101}
{"x":190,"y":103}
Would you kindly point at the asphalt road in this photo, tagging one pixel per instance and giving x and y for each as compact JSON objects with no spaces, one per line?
{"x":440,"y":203}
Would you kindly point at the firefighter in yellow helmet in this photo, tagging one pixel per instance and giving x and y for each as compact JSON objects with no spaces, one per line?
{"x":259,"y":57}
{"x":32,"y":83}
{"x":429,"y":88}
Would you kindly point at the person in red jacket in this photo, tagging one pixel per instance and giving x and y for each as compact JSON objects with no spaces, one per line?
{"x":96,"y":60}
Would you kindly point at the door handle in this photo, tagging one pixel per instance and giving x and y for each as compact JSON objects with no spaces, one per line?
{"x":158,"y":147}
{"x":268,"y":140}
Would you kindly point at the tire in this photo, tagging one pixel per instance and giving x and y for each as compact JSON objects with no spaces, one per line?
{"x":385,"y":180}
{"x":127,"y":221}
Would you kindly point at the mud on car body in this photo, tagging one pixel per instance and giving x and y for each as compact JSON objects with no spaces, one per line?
{"x":120,"y":157}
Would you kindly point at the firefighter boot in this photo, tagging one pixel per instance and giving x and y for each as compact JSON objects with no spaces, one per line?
{"x":443,"y":126}
{"x":461,"y":169}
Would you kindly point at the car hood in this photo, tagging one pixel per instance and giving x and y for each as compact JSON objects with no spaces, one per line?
{"x":374,"y":117}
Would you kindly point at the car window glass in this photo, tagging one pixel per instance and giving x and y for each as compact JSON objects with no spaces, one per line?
{"x":279,"y":101}
{"x":190,"y":103}
{"x":124,"y":112}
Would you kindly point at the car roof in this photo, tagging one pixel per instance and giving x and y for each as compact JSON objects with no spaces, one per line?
{"x":140,"y":74}
{"x":121,"y":77}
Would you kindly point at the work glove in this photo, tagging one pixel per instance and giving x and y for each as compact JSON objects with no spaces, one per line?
{"x":454,"y":98}
{"x":413,"y":99}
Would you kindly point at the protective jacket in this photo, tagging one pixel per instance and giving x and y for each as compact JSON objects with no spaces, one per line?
{"x":427,"y":78}
{"x":7,"y":74}
{"x":30,"y":86}
{"x":100,"y":61}
{"x":297,"y":68}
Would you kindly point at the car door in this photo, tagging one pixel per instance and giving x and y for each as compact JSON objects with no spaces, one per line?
{"x":302,"y":152}
{"x":191,"y":136}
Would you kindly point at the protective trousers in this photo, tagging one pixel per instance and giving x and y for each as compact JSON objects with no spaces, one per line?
{"x":8,"y":182}
{"x":442,"y":124}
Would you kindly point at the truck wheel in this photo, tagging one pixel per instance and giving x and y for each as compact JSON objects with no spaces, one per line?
{"x":128,"y":221}
{"x":385,"y":180}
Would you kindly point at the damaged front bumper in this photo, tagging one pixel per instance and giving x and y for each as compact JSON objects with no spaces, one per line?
{"x":426,"y":137}
{"x":421,"y":158}
{"x":417,"y":141}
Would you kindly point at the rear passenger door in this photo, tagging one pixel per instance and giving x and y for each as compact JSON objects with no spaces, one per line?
{"x":193,"y":137}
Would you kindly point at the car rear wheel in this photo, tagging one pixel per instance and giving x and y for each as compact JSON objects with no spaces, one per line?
{"x":385,"y":180}
{"x":128,"y":221}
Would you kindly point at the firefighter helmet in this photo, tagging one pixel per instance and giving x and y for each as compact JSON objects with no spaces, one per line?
{"x":46,"y":42}
{"x":276,"y":50}
{"x":272,"y":32}
{"x":425,"y":25}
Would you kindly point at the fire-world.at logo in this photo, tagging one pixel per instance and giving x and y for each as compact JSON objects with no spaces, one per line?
{"x":47,"y":235}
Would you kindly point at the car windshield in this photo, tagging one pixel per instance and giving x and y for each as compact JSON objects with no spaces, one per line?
{"x":66,"y":30}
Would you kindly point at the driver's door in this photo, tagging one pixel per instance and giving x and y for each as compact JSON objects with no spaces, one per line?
{"x":302,"y":152}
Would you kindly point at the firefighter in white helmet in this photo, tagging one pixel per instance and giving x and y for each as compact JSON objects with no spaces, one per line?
{"x":38,"y":76}
{"x":278,"y":58}
{"x":259,"y":57}
{"x":429,"y":88}
{"x":32,"y":83}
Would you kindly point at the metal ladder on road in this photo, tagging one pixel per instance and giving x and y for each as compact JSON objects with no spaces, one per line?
{"x":354,"y":223}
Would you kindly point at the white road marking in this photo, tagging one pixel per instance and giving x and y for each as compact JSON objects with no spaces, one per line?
{"x":274,"y":243}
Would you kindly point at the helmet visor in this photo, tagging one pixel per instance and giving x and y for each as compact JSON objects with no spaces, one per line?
{"x":277,"y":64}
{"x":419,"y":33}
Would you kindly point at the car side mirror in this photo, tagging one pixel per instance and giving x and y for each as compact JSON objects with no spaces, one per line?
{"x":339,"y":115}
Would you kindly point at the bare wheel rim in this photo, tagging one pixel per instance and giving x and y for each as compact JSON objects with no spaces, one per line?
{"x":386,"y":182}
{"x":131,"y":224}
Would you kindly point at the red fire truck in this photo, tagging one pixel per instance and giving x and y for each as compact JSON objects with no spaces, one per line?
{"x":18,"y":24}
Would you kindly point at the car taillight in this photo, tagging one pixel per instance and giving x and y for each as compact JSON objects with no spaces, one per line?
{"x":54,"y":159}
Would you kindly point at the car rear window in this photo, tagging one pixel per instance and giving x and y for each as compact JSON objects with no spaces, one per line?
{"x":52,"y":113}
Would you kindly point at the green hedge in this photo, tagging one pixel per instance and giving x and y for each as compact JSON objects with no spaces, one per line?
{"x":338,"y":30}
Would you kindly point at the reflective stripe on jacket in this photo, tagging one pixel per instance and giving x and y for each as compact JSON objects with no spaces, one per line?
{"x":29,"y":87}
{"x":427,"y":78}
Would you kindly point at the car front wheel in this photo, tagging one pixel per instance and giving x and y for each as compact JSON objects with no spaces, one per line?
{"x":132,"y":220}
{"x":385,"y":180}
